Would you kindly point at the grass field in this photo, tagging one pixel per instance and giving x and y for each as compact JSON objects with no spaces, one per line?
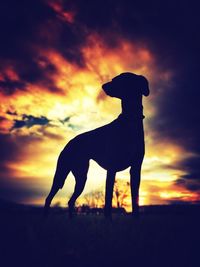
{"x":156,"y":239}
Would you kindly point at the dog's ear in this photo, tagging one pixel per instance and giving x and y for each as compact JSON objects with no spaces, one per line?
{"x":144,"y":85}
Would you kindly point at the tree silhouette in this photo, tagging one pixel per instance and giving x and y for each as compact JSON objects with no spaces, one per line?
{"x":94,"y":199}
{"x":121,"y":193}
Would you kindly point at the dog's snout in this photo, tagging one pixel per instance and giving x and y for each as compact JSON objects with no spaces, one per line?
{"x":106,"y":86}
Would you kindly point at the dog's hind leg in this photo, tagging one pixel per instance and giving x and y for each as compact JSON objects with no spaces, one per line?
{"x":110,"y":179}
{"x":80,"y":174}
{"x":59,"y":178}
{"x":135,"y":173}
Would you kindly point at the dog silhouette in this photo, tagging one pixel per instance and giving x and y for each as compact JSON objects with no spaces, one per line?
{"x":115,"y":146}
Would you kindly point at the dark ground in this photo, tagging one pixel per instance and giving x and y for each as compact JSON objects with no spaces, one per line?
{"x":163,"y":236}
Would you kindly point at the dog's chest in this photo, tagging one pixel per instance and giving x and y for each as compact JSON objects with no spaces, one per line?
{"x":117,"y":154}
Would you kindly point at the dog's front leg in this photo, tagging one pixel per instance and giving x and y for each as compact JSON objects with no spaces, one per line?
{"x":135,"y":173}
{"x":110,"y":179}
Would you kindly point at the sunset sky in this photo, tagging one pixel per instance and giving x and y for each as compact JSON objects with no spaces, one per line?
{"x":54,"y":57}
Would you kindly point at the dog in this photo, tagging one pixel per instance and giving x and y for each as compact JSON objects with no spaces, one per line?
{"x":115,"y":146}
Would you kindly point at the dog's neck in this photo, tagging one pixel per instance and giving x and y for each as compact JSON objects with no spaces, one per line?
{"x":132,"y":109}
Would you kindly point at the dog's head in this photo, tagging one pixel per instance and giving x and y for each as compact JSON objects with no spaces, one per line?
{"x":127,"y":84}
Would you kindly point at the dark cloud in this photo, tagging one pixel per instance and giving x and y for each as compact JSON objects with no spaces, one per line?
{"x":11,"y":146}
{"x":29,"y":121}
{"x":192,"y":167}
{"x":19,"y":124}
{"x":28,"y":27}
{"x":11,"y":112}
{"x":191,"y":179}
{"x":19,"y":26}
{"x":182,"y":202}
{"x":9,"y":152}
{"x":65,"y":120}
{"x":15,"y":189}
{"x":178,"y":121}
{"x":191,"y":184}
{"x":9,"y":149}
{"x":9,"y":87}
